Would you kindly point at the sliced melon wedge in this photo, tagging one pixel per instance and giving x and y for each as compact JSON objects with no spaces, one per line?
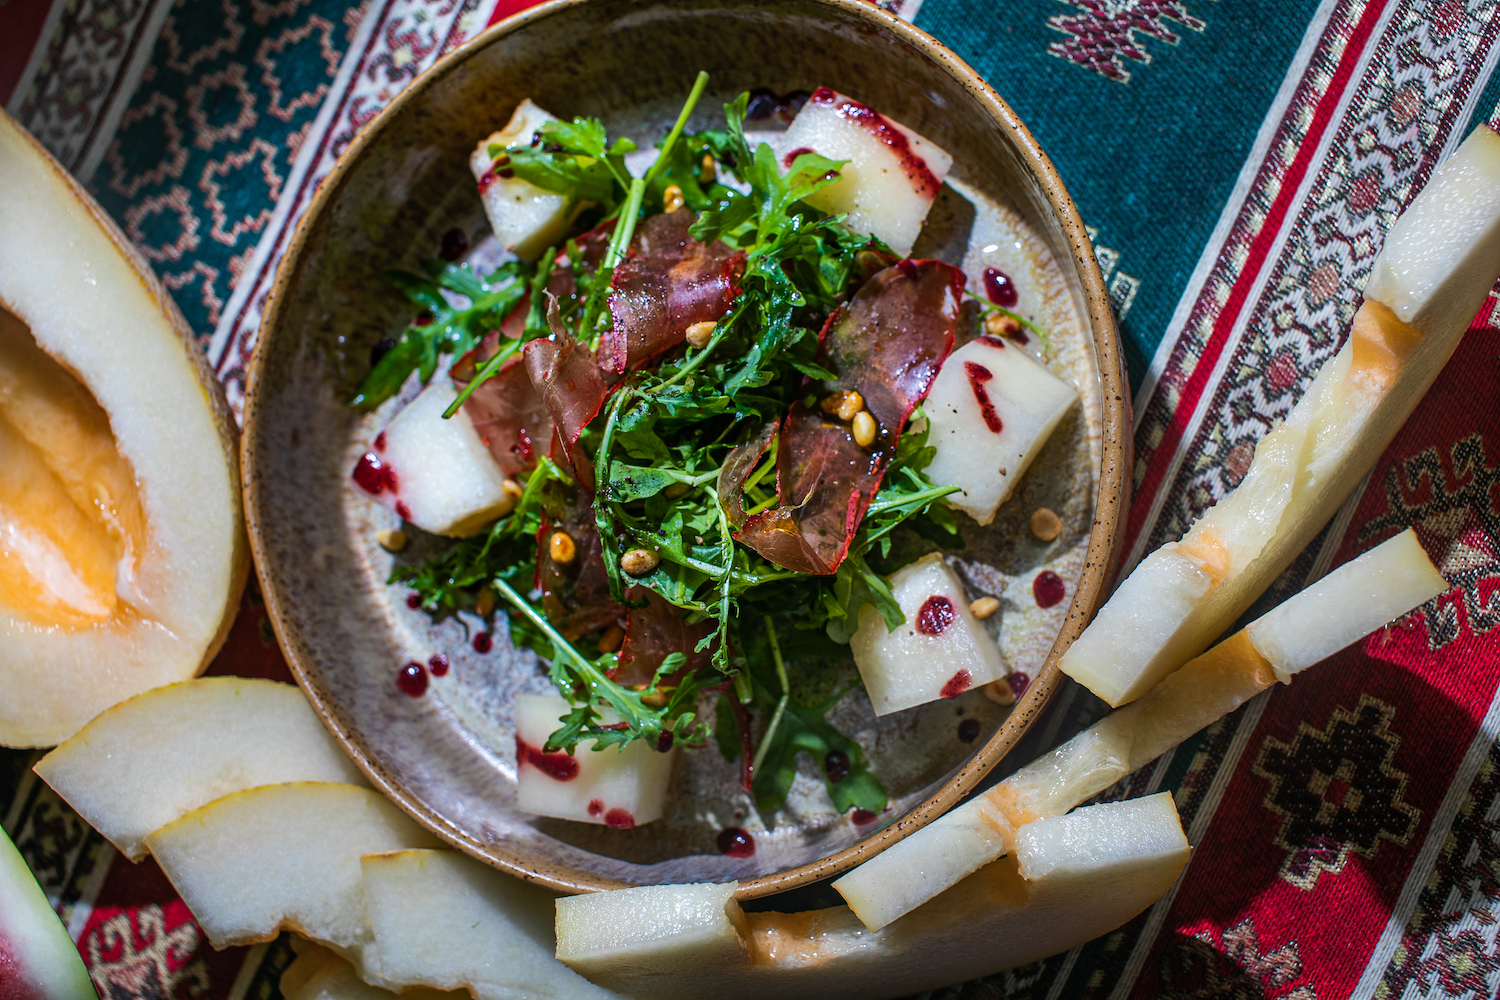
{"x":443,"y":920}
{"x":1357,"y":598}
{"x":282,"y":857}
{"x":38,"y":961}
{"x":122,"y":547}
{"x":1439,"y":262}
{"x":131,"y":772}
{"x":1090,"y":872}
{"x":320,"y":974}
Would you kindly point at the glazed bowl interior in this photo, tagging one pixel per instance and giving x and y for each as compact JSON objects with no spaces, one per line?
{"x":448,"y":757}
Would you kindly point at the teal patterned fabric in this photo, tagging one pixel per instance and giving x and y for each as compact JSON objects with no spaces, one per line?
{"x":211,"y":134}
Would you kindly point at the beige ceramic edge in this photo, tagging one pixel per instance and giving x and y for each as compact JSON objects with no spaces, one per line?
{"x":1112,"y":498}
{"x":212,"y":388}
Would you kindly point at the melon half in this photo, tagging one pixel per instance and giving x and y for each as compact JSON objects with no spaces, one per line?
{"x":122,"y":546}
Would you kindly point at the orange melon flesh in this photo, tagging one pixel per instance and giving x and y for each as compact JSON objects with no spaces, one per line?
{"x":1357,"y":598}
{"x":69,"y":511}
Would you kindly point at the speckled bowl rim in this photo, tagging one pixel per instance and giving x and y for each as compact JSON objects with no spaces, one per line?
{"x":1111,"y":500}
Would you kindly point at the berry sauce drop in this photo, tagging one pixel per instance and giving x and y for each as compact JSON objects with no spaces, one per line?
{"x":935,"y":615}
{"x":736,"y":843}
{"x":957,"y":684}
{"x":968,"y":730}
{"x":455,"y":244}
{"x":438,"y":664}
{"x":414,"y":600}
{"x":1048,"y":588}
{"x":1019,"y":682}
{"x":836,"y":766}
{"x":412,"y":680}
{"x":999,"y":289}
{"x":863,"y":817}
{"x":619,"y":819}
{"x":483,"y":642}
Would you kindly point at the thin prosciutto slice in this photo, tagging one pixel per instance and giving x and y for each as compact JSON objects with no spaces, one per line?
{"x":654,"y":632}
{"x":506,"y":409}
{"x":569,"y":383}
{"x":887,"y":344}
{"x":667,"y":282}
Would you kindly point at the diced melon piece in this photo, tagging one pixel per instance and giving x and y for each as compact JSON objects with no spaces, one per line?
{"x":1106,"y":864}
{"x":320,"y":974}
{"x":620,"y":787}
{"x":162,"y":754}
{"x":282,"y":857}
{"x":1438,"y":269}
{"x":683,"y":936}
{"x":445,"y":921}
{"x":38,"y":961}
{"x":892,"y":176}
{"x":1439,"y":257}
{"x":435,"y":473}
{"x":991,"y":409}
{"x":940,"y":651}
{"x":1379,"y":586}
{"x":526,"y":219}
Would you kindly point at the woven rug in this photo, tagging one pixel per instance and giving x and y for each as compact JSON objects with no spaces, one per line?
{"x":1238,"y":164}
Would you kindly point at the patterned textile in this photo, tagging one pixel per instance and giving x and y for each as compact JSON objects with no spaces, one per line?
{"x":1238,"y":164}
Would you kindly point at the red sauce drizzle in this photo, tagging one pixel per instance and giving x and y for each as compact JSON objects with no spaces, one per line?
{"x":978,"y":376}
{"x":619,"y":819}
{"x":1019,"y":682}
{"x":412,"y":680}
{"x":936,"y":615}
{"x":380,"y":441}
{"x":486,"y":181}
{"x":557,"y":766}
{"x":957,"y":685}
{"x":1048,"y":588}
{"x":483,"y":642}
{"x":875,"y":123}
{"x":999,"y":289}
{"x":438,"y":664}
{"x":736,"y":843}
{"x":596,"y":807}
{"x":863,"y":817}
{"x":968,"y":730}
{"x":403,"y":510}
{"x":787,"y":160}
{"x":373,"y":475}
{"x":414,"y":600}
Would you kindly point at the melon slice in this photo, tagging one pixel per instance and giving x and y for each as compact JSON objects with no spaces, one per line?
{"x":162,"y":754}
{"x":38,"y":961}
{"x":1091,"y":872}
{"x":320,"y":974}
{"x":282,"y":857}
{"x":122,"y":545}
{"x":438,"y":474}
{"x":1429,"y":280}
{"x":1365,"y":593}
{"x":940,"y":651}
{"x":526,"y":219}
{"x":892,"y":176}
{"x":622,"y":787}
{"x":445,"y":921}
{"x":991,"y":409}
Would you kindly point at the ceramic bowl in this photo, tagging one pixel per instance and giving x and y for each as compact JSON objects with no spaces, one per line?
{"x":448,"y":757}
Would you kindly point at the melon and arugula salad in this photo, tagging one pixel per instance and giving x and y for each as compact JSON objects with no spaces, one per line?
{"x":686,"y":437}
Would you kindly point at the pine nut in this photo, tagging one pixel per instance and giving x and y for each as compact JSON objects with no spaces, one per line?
{"x":391,"y":541}
{"x":844,"y":404}
{"x":611,"y":639}
{"x":1045,"y":524}
{"x":512,"y":489}
{"x":639,"y":562}
{"x":699,"y":334}
{"x":984,"y":607}
{"x":484,"y":604}
{"x":1000,"y":692}
{"x":1000,"y":325}
{"x":710,"y":171}
{"x":510,"y":492}
{"x":863,"y":428}
{"x":672,"y":198}
{"x":561,"y":548}
{"x":657,"y":700}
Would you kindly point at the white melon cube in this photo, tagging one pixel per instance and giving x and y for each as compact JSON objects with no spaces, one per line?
{"x":991,"y":409}
{"x":620,"y":787}
{"x":892,"y":176}
{"x":1439,"y":257}
{"x":526,"y":219}
{"x":435,"y":473}
{"x":940,"y":651}
{"x":681,"y":936}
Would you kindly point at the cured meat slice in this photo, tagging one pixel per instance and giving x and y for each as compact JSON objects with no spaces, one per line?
{"x":667,"y":282}
{"x":654,"y":632}
{"x":571,"y":386}
{"x":887,"y":344}
{"x":506,"y":409}
{"x":737,"y":468}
